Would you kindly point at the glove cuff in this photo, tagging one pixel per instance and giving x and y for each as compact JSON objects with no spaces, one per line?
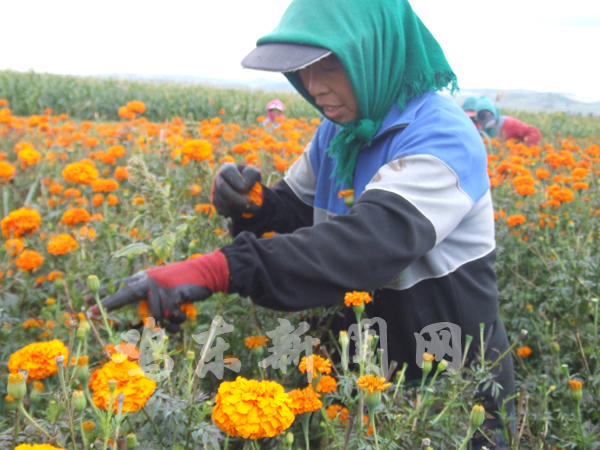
{"x":215,"y":269}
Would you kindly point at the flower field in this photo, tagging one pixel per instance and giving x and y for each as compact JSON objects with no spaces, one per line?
{"x":85,"y":203}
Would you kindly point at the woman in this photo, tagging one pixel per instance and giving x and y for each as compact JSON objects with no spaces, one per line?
{"x":421,"y":233}
{"x":503,"y":127}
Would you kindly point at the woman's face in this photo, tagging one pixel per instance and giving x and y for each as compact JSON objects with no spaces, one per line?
{"x":327,"y":81}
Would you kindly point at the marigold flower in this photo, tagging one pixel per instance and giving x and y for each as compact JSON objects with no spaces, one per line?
{"x":327,"y":384}
{"x":37,"y":447}
{"x":256,"y":196}
{"x":136,"y":388}
{"x":525,"y":189}
{"x":76,"y":216}
{"x":121,"y":173}
{"x":195,"y":189}
{"x":38,"y":359}
{"x":91,"y":142}
{"x":356,"y":298}
{"x":314,"y":364}
{"x":136,"y":106}
{"x":256,"y":341}
{"x":305,"y":400}
{"x":252,"y":409}
{"x":81,"y":172}
{"x":190,"y":311}
{"x":371,"y":383}
{"x":333,"y":410}
{"x":524,"y":352}
{"x":33,"y":323}
{"x":112,"y":200}
{"x":104,"y":185}
{"x":205,"y":208}
{"x":197,"y":149}
{"x":14,"y":246}
{"x":72,"y":192}
{"x":515,"y":220}
{"x":29,"y":157}
{"x":116,"y":151}
{"x":29,"y":260}
{"x":580,"y":185}
{"x":564,"y":195}
{"x":20,"y":222}
{"x":97,"y":200}
{"x":62,"y":244}
{"x":7,"y":171}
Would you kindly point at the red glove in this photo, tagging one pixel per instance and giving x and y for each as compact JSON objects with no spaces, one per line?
{"x":166,"y":288}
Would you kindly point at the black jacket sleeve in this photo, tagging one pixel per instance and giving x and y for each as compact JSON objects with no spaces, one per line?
{"x":315,"y":266}
{"x":282,"y":211}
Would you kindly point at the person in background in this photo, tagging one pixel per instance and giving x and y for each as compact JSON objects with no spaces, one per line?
{"x":469,"y":108}
{"x":496,"y":125}
{"x":274,"y":110}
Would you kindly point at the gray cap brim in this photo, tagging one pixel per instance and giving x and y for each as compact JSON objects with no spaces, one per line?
{"x":280,"y":57}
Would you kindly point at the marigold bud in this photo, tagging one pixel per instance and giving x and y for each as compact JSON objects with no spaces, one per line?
{"x":576,"y":391}
{"x":38,"y":388}
{"x":88,"y":430}
{"x":372,"y":400}
{"x":190,"y":355}
{"x":93,"y":283}
{"x":442,"y":365}
{"x":477,"y":416}
{"x":59,"y":284}
{"x":349,"y":200}
{"x":289,"y":438}
{"x":131,"y":441}
{"x":427,"y":363}
{"x":10,"y":403}
{"x":358,"y":309}
{"x":16,"y":386}
{"x":78,"y":401}
{"x":112,"y":385}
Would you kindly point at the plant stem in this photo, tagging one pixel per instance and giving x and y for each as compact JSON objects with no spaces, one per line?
{"x":17,"y":428}
{"x":63,"y":385}
{"x":328,"y":425}
{"x":372,"y":419}
{"x":305,"y":420}
{"x":28,"y":417}
{"x":467,"y":437}
{"x":104,"y":318}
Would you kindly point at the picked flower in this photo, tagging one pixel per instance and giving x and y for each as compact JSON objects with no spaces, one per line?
{"x":252,"y":409}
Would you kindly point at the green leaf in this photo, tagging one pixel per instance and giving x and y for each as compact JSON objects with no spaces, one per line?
{"x":132,"y":249}
{"x":180,"y":231}
{"x":163,"y":245}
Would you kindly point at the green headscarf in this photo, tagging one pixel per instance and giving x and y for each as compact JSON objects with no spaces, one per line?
{"x":469,"y":104}
{"x":389,"y":56}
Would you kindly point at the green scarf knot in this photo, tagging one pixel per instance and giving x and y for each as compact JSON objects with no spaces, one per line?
{"x":345,"y":147}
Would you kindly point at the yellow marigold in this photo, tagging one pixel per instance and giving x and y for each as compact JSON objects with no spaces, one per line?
{"x":81,"y":172}
{"x":314,"y":364}
{"x":197,"y":149}
{"x":61,"y":244}
{"x":76,"y":216}
{"x":29,"y":157}
{"x":190,"y":311}
{"x":327,"y":384}
{"x":136,"y":106}
{"x":372,"y":383}
{"x":7,"y":171}
{"x":14,"y":246}
{"x":252,"y":409}
{"x":121,"y":173}
{"x":104,"y":185}
{"x":195,"y":189}
{"x":38,"y":359}
{"x":305,"y":400}
{"x":29,"y":260}
{"x":256,"y":341}
{"x":356,"y":298}
{"x":524,"y":352}
{"x":136,"y":388}
{"x":37,"y":447}
{"x":20,"y":222}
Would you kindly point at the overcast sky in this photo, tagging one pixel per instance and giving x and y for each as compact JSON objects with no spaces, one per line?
{"x":542,"y":45}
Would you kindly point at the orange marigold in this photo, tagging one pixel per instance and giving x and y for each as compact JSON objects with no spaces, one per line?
{"x":29,"y":157}
{"x":197,"y":149}
{"x":38,"y":359}
{"x":371,"y":383}
{"x":305,"y":400}
{"x":524,"y":352}
{"x":136,"y":388}
{"x":327,"y":384}
{"x":252,"y":409}
{"x":29,"y":260}
{"x":314,"y":364}
{"x":256,"y":196}
{"x":333,"y":410}
{"x":190,"y":311}
{"x":76,"y":216}
{"x":7,"y":171}
{"x":356,"y":298}
{"x":575,"y":385}
{"x":112,"y":200}
{"x":104,"y":185}
{"x":81,"y":172}
{"x":14,"y":246}
{"x":55,"y":274}
{"x":256,"y":341}
{"x":541,"y":173}
{"x":121,"y":173}
{"x":580,"y":185}
{"x":116,"y":151}
{"x":97,"y":200}
{"x":515,"y":220}
{"x":20,"y":222}
{"x":62,"y":244}
{"x":136,"y":106}
{"x":525,"y":189}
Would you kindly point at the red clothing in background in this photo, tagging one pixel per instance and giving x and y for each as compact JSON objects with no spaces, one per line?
{"x":519,"y":131}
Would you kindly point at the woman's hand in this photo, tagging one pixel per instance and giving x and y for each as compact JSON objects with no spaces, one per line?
{"x":166,"y":288}
{"x":231,"y":190}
